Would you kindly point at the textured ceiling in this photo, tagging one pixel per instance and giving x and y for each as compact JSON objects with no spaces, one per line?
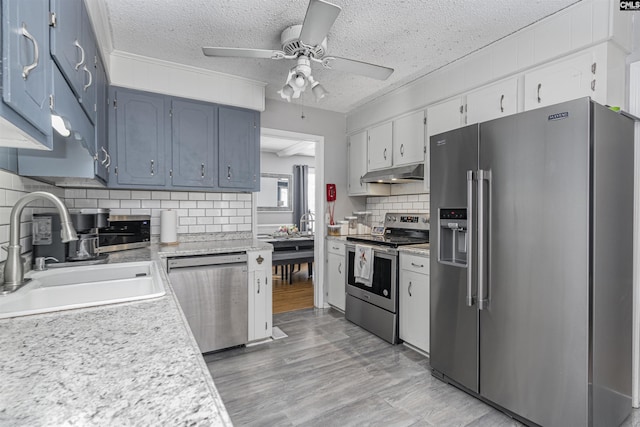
{"x":414,"y":37}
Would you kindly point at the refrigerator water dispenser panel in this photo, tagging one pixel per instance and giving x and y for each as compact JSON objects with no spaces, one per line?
{"x":453,"y":241}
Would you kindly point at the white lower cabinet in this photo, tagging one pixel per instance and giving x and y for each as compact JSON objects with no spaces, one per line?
{"x":336,"y":269}
{"x":260,"y":295}
{"x":414,"y":301}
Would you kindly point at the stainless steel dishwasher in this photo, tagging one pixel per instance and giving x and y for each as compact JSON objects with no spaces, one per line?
{"x":213,"y":293}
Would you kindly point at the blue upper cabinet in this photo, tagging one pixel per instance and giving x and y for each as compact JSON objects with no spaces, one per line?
{"x":103,"y":158}
{"x":141,"y":128}
{"x":87,"y":70}
{"x":74,"y":49}
{"x":26,"y":72}
{"x":239,"y":149}
{"x":194,"y":143}
{"x":66,"y":41}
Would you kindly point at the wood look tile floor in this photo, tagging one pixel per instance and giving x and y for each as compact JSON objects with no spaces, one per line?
{"x":330,"y":372}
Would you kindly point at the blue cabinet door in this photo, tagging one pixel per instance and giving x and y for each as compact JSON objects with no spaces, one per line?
{"x":239,"y":148}
{"x":88,"y":69}
{"x":142,"y":129}
{"x":26,"y":71}
{"x":66,"y":44}
{"x":103,"y":159}
{"x":194,"y":143}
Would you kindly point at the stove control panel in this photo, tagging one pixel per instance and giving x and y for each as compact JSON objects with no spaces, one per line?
{"x":413,"y":221}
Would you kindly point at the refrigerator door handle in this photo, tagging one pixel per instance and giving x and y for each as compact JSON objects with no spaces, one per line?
{"x":483,"y":299}
{"x":470,"y":298}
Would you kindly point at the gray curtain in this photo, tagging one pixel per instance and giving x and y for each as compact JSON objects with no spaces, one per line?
{"x":300,"y":192}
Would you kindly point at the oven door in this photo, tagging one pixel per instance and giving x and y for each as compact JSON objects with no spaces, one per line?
{"x":383,"y":290}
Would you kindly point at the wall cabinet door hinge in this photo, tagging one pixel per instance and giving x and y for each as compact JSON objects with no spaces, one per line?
{"x":266,"y":326}
{"x":593,"y":85}
{"x":52,"y":19}
{"x":170,"y":112}
{"x":51,"y":102}
{"x":461,"y":109}
{"x":115,"y":103}
{"x":424,"y":121}
{"x":171,"y":173}
{"x":115,"y":170}
{"x":593,"y":68}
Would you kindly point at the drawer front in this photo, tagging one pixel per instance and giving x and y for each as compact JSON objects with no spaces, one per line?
{"x":334,"y":247}
{"x":418,"y":264}
{"x":258,"y":260}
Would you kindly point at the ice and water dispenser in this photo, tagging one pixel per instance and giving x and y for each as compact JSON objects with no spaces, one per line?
{"x":453,"y":239}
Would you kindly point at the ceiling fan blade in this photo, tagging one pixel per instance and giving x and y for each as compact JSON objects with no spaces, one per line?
{"x":239,"y":52}
{"x":318,"y":21}
{"x":357,"y":67}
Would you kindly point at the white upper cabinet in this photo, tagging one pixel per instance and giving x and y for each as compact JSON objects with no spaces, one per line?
{"x":493,"y":101}
{"x":561,"y":81}
{"x":444,"y":116}
{"x":357,"y":152}
{"x":408,"y":139}
{"x":380,"y":146}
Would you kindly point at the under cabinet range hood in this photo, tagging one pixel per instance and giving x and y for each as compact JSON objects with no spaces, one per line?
{"x":397,"y":175}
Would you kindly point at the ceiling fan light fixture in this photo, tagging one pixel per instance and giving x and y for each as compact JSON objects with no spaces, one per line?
{"x":287,"y":92}
{"x":319,"y":91}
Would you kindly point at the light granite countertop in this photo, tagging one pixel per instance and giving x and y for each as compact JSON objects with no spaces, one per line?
{"x":123,"y":364}
{"x":421,"y":250}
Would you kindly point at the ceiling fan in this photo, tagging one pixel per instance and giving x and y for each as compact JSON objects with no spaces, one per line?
{"x":307,"y":43}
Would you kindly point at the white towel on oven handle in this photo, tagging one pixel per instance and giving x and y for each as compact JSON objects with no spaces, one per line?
{"x":363,"y":265}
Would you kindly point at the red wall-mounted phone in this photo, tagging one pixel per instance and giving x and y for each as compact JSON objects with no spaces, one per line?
{"x":331,"y":192}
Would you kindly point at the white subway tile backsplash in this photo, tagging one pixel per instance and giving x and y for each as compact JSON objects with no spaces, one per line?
{"x":205,"y":220}
{"x":178,"y":195}
{"x":205,"y":204}
{"x":229,"y":228}
{"x":86,"y":203}
{"x":141,"y":195}
{"x":120,"y":194}
{"x":197,"y":212}
{"x":186,"y":204}
{"x":131,"y":204}
{"x":94,"y":194}
{"x":169,"y":204}
{"x":107,"y":204}
{"x":160,"y":195}
{"x":153,"y":204}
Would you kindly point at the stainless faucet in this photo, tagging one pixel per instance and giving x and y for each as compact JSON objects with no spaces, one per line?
{"x":14,"y":266}
{"x":307,"y":219}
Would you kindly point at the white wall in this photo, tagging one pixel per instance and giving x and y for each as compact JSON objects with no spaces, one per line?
{"x":285,"y":116}
{"x":271,"y":163}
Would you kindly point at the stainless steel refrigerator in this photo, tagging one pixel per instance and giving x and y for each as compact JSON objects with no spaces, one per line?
{"x":531,"y":267}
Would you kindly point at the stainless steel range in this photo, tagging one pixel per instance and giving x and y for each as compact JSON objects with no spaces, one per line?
{"x":375,"y":307}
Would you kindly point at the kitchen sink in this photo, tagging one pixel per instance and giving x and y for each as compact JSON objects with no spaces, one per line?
{"x":80,"y":287}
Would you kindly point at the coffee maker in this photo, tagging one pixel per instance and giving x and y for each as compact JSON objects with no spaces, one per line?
{"x":47,"y":241}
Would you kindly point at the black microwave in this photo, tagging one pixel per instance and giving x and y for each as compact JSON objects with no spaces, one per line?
{"x":124,"y":232}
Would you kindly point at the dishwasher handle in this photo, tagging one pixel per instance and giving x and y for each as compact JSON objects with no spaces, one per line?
{"x":208,"y":260}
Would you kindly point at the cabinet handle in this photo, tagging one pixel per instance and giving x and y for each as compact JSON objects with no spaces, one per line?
{"x":539,"y":87}
{"x":361,"y":183}
{"x":85,"y":87}
{"x":202,"y":170}
{"x":501,"y":106}
{"x":26,"y":70}
{"x":258,"y":285}
{"x":385,"y":154}
{"x":153,"y":171}
{"x":228,"y":171}
{"x":335,"y":248}
{"x":340,"y":268}
{"x":106,"y":156}
{"x":417,"y":265}
{"x":409,"y":290}
{"x":108,"y":160}
{"x":76,"y":44}
{"x":402,"y":150}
